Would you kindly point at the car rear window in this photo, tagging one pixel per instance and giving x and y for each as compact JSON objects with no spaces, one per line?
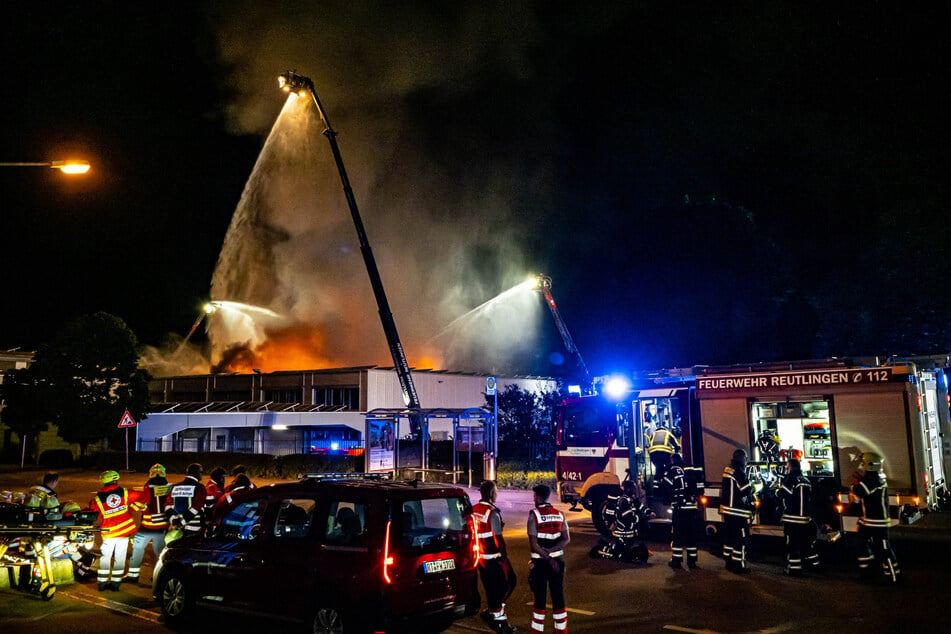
{"x":433,"y":524}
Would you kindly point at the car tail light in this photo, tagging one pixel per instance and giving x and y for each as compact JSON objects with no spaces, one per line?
{"x":704,"y":500}
{"x":476,"y":544}
{"x":388,"y":560}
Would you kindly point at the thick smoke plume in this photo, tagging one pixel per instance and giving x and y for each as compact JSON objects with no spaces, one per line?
{"x":442,"y":213}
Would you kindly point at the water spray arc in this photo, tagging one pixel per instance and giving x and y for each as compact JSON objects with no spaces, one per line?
{"x":206,"y":310}
{"x":290,"y":81}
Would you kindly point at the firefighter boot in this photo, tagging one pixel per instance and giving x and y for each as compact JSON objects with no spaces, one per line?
{"x":503,"y":627}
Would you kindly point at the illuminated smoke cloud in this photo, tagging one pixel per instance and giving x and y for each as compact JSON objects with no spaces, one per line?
{"x":445,"y":222}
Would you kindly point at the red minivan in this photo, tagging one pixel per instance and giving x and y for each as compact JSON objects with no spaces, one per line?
{"x":340,"y":553}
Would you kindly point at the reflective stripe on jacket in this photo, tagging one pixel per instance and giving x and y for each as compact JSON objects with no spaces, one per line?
{"x":663,"y":440}
{"x":796,"y":494}
{"x":153,"y":517}
{"x":872,"y":490}
{"x":735,"y":494}
{"x":115,"y":506}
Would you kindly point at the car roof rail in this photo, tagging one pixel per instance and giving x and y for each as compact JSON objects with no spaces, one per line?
{"x":344,"y":475}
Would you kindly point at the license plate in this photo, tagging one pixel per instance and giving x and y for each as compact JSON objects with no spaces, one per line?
{"x":440,"y":565}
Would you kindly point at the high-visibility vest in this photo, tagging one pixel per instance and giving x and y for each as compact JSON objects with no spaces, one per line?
{"x":153,"y":517}
{"x":488,"y":540}
{"x":549,"y":527}
{"x":115,"y":510}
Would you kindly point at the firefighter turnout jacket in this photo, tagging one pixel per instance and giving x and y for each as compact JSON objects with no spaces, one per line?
{"x":682,"y":487}
{"x":627,"y":517}
{"x":663,"y":440}
{"x":186,"y":503}
{"x":872,"y":490}
{"x":115,"y":505}
{"x":736,"y":494}
{"x":796,"y":495}
{"x":486,"y":528}
{"x":153,"y":517}
{"x":550,"y":526}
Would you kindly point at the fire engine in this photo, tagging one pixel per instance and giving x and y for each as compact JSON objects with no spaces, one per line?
{"x":825,"y":412}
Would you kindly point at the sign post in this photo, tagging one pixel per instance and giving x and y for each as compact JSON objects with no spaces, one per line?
{"x":125,"y":423}
{"x":492,"y":438}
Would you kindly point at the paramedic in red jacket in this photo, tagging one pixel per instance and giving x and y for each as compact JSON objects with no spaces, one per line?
{"x":115,"y":505}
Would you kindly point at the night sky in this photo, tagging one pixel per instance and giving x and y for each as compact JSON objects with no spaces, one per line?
{"x":704,"y":183}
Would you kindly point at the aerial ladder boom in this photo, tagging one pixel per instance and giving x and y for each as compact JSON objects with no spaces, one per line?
{"x":291,"y":81}
{"x":543,"y":285}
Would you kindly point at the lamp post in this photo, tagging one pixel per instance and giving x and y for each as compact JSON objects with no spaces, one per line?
{"x":290,"y":81}
{"x":66,"y":167}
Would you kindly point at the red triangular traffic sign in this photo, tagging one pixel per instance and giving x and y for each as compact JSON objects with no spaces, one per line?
{"x":126,"y":420}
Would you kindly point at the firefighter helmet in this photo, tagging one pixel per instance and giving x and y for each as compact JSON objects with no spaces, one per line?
{"x":109,"y":477}
{"x":157,"y":471}
{"x":872,"y":461}
{"x":70,"y":507}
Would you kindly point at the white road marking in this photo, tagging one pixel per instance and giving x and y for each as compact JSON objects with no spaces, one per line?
{"x":575,"y":610}
{"x":116,"y":606}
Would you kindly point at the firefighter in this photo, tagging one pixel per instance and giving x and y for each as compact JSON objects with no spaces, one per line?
{"x":547,"y":538}
{"x":214,"y":489}
{"x":495,"y":570}
{"x":682,"y":488}
{"x":798,"y":527}
{"x":154,"y":523}
{"x":736,"y":507}
{"x":661,"y":446}
{"x":115,"y":505}
{"x":628,"y":524}
{"x":185,"y":505}
{"x":872,"y":491}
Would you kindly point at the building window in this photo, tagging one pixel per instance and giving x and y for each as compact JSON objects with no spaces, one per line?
{"x":288,"y":395}
{"x":221,"y":442}
{"x":339,"y":398}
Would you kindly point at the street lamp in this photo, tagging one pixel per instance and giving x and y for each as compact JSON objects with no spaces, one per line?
{"x":66,"y":167}
{"x":290,"y":81}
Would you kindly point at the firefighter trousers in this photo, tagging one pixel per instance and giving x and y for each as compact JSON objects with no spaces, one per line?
{"x":683,"y":534}
{"x":877,"y":547}
{"x":800,"y":546}
{"x":736,"y":541}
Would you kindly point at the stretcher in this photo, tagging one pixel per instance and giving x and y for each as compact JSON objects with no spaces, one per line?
{"x":37,"y":538}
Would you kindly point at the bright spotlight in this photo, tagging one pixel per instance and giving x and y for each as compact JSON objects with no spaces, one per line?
{"x":616,"y":387}
{"x":71,"y":167}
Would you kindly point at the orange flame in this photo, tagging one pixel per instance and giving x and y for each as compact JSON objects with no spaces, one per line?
{"x":296,"y":347}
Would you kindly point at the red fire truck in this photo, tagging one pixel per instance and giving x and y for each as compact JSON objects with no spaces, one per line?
{"x":828,"y":411}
